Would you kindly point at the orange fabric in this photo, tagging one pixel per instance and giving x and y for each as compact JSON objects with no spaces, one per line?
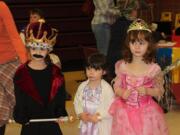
{"x":11,"y":45}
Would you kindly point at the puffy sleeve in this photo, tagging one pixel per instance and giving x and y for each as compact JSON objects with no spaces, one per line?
{"x":158,"y":79}
{"x":118,"y":81}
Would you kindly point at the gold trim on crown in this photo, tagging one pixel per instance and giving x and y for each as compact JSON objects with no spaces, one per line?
{"x":48,"y":42}
{"x":139,"y":24}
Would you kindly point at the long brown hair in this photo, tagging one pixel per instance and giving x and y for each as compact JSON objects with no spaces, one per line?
{"x":137,"y":35}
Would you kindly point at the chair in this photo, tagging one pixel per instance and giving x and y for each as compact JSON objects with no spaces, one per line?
{"x":177,"y":21}
{"x":166,"y":16}
{"x":165,"y":27}
{"x":175,"y":72}
{"x":175,"y":36}
{"x":176,"y":75}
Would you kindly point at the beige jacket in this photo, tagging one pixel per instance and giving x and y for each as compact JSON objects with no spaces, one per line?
{"x":106,"y":100}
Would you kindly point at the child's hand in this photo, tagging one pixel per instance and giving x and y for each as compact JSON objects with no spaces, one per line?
{"x":117,"y":91}
{"x":142,"y":91}
{"x":126,"y":94}
{"x":84,"y":116}
{"x":60,"y":120}
{"x":94,"y":118}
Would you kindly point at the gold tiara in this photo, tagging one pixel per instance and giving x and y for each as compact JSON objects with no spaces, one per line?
{"x":139,"y":24}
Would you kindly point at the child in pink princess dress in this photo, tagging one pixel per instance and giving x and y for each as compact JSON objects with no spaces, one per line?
{"x":138,"y":79}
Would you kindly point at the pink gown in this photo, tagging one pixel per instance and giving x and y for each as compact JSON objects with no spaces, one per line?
{"x":138,"y":115}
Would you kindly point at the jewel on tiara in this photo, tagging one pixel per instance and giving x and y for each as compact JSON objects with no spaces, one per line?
{"x":138,"y":24}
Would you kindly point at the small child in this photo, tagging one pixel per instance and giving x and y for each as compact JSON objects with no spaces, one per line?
{"x":138,"y":79}
{"x":39,"y":84}
{"x":34,"y":16}
{"x":93,"y":98}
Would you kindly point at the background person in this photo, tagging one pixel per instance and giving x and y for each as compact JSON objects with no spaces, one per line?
{"x":129,"y":12}
{"x":105,"y":14}
{"x":34,"y":15}
{"x":12,"y":53}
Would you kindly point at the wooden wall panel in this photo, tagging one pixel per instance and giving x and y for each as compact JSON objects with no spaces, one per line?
{"x":161,"y":6}
{"x":65,"y":15}
{"x":17,"y":2}
{"x":169,"y":6}
{"x":49,"y":10}
{"x":75,"y":39}
{"x":69,"y":54}
{"x":65,"y":25}
{"x":72,"y":25}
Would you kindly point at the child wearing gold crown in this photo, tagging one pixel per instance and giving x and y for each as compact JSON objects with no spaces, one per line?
{"x":39,"y":84}
{"x":138,"y":79}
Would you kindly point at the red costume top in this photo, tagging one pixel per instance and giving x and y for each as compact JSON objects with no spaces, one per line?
{"x":40,"y":94}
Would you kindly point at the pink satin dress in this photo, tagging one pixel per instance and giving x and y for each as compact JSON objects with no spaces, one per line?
{"x":137,"y":115}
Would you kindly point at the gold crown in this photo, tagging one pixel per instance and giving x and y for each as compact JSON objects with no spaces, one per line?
{"x":139,"y":24}
{"x":40,"y":34}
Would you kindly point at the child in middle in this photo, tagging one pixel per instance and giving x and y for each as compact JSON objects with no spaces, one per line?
{"x":93,"y":99}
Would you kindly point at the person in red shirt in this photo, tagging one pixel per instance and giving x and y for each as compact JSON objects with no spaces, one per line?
{"x":12,"y":53}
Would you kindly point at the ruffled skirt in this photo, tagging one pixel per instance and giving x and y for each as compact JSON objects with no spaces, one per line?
{"x":145,"y":120}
